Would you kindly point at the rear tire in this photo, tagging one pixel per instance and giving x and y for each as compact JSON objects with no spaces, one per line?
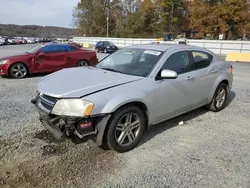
{"x":125,"y":129}
{"x":18,"y":70}
{"x":82,"y":63}
{"x":218,"y":102}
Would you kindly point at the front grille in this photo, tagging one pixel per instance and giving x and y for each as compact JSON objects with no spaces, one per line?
{"x":45,"y":102}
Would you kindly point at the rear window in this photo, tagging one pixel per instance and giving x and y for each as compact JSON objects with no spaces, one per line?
{"x":74,"y":48}
{"x":201,"y":59}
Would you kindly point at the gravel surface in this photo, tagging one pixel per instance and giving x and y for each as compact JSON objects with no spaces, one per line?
{"x":209,"y":150}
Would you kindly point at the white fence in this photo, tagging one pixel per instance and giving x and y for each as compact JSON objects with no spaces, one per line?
{"x":220,"y":47}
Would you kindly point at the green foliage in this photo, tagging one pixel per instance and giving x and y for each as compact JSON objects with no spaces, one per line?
{"x":152,"y":18}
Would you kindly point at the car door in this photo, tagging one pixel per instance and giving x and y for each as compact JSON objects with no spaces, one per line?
{"x":51,"y":58}
{"x":206,"y":73}
{"x":175,"y":96}
{"x":100,"y":47}
{"x":72,"y":56}
{"x":97,"y":46}
{"x":104,"y":45}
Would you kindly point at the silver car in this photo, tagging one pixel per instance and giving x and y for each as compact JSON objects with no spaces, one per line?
{"x":131,"y":90}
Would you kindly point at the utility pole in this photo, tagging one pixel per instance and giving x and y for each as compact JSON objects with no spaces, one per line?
{"x":172,"y":12}
{"x":107,"y":22}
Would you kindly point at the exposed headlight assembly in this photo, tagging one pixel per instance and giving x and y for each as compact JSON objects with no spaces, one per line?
{"x":73,"y":107}
{"x":3,"y":62}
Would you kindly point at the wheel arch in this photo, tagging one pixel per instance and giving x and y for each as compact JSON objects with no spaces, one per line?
{"x":20,"y":63}
{"x":225,"y":81}
{"x":82,"y":60}
{"x":217,"y":83}
{"x":141,"y":105}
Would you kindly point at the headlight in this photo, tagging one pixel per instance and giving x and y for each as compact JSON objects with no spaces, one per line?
{"x":3,"y":62}
{"x":73,"y":107}
{"x":108,"y":46}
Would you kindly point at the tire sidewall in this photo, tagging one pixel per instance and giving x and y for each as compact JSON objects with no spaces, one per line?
{"x":215,"y":95}
{"x":78,"y":63}
{"x":10,"y":70}
{"x":111,"y":140}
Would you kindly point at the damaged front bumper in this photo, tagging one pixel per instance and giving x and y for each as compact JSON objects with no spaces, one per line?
{"x":68,"y":126}
{"x":61,"y":126}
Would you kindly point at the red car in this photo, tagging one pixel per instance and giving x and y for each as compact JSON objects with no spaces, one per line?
{"x":47,"y":58}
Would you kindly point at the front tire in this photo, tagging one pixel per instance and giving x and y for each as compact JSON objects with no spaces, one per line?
{"x":18,"y":71}
{"x":219,"y":100}
{"x":125,"y":129}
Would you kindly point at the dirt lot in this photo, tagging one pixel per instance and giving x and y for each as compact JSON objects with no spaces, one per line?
{"x":209,"y":150}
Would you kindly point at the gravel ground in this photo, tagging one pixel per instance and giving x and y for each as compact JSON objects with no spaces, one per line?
{"x":209,"y":150}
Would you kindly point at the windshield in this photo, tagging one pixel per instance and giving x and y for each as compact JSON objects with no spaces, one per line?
{"x":138,"y":62}
{"x":33,"y":50}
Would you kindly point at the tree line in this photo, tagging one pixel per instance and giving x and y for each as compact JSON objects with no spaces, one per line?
{"x":153,"y":18}
{"x":12,"y":30}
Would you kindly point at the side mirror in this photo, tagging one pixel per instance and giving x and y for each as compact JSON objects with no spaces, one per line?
{"x":167,"y":74}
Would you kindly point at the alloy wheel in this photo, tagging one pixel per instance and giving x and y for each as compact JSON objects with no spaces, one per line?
{"x":127,"y":129}
{"x":82,"y":63}
{"x":18,"y":71}
{"x":220,"y":98}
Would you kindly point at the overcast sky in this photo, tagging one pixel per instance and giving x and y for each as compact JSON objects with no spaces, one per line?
{"x":37,"y":12}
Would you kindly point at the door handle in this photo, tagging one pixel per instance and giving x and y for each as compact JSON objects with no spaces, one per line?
{"x":190,"y":78}
{"x":214,"y":71}
{"x":66,"y":59}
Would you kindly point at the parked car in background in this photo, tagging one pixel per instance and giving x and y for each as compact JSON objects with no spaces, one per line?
{"x":12,"y":41}
{"x":19,"y":41}
{"x":105,"y":46}
{"x":31,"y":40}
{"x":46,"y":58}
{"x":2,"y":41}
{"x":131,"y":90}
{"x":24,"y":41}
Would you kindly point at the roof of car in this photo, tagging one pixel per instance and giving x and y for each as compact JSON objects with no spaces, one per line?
{"x":162,"y":47}
{"x":56,"y":44}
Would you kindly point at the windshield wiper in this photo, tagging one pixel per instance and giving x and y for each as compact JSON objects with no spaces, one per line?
{"x":113,"y":70}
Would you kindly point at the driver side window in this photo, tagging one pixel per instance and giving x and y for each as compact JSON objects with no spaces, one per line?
{"x":178,"y":62}
{"x":54,"y":49}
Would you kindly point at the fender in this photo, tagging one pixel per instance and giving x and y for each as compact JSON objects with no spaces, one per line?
{"x":217,"y":82}
{"x":114,"y":104}
{"x":118,"y":101}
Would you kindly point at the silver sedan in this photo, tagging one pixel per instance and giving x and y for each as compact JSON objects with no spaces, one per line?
{"x":131,"y":90}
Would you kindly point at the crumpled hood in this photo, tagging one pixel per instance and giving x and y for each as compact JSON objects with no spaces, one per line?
{"x":81,"y":81}
{"x":13,"y":56}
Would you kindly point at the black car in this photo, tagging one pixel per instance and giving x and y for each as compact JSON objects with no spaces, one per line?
{"x":105,"y":46}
